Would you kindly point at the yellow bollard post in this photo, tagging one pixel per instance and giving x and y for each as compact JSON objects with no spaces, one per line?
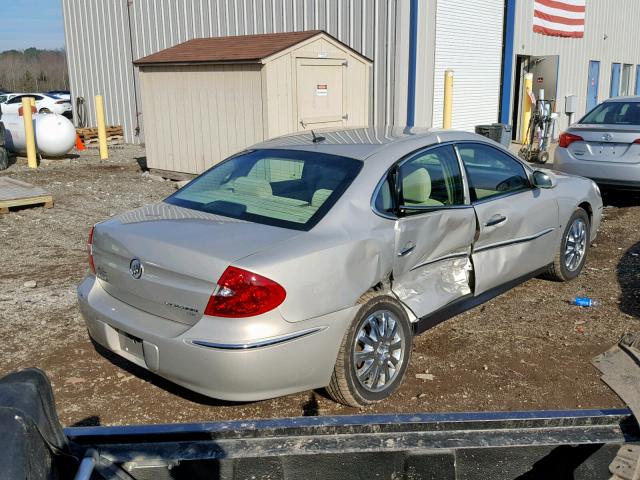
{"x":33,"y":101}
{"x":29,"y":134}
{"x":526,"y":108}
{"x":448,"y":99}
{"x":102,"y":129}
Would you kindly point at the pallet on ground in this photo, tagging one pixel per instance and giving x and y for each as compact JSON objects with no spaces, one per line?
{"x":88,"y":134}
{"x":110,"y":139}
{"x":14,"y":193}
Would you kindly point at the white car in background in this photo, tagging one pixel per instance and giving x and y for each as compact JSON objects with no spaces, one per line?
{"x":61,"y":94}
{"x":44,"y":104}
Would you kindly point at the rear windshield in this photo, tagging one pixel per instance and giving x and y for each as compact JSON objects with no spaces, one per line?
{"x":285,"y":188}
{"x":614,"y":113}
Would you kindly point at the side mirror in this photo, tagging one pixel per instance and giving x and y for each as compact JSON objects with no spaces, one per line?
{"x":542,"y":179}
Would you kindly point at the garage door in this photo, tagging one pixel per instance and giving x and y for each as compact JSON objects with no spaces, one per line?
{"x":469,"y":41}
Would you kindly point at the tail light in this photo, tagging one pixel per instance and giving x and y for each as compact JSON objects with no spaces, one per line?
{"x":637,"y":141}
{"x":567,"y":139}
{"x":244,"y":294}
{"x":92,"y":266}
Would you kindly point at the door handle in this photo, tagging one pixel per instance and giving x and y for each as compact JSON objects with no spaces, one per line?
{"x":407,"y":249}
{"x":495,"y":220}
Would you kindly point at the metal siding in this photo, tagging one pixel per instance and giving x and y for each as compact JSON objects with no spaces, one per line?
{"x":618,"y":24}
{"x":469,"y":41}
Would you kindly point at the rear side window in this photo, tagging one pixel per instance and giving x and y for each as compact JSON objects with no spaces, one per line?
{"x":432,"y":179}
{"x":285,"y":188}
{"x":614,"y":113}
{"x":491,"y":172}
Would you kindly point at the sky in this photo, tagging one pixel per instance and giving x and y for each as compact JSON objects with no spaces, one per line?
{"x":31,"y":23}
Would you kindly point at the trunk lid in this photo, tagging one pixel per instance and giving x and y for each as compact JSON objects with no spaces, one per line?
{"x":606,"y":143}
{"x":183,"y":253}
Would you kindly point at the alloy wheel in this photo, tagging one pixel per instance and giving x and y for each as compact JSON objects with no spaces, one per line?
{"x":378,"y":350}
{"x":575,"y":244}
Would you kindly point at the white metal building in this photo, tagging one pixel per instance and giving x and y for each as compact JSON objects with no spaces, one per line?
{"x":488,"y":43}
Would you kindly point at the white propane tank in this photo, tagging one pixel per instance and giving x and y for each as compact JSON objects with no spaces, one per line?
{"x":55,"y":134}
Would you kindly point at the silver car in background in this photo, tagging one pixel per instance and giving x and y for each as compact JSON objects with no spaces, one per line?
{"x":604,"y":145}
{"x":311,"y":261}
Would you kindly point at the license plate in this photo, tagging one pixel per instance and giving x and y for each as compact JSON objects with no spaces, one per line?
{"x":608,"y":150}
{"x":132,"y":345}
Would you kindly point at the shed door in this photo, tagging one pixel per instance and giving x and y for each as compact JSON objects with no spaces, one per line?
{"x":321,"y":101}
{"x":469,"y":41}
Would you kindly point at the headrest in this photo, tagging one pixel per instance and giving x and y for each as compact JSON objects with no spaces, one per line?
{"x":320,"y":196}
{"x":416,"y":187}
{"x":252,"y":186}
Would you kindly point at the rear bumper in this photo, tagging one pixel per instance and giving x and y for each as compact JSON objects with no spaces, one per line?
{"x":612,"y":174}
{"x":292,"y":358}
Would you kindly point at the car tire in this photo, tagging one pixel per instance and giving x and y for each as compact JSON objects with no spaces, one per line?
{"x":44,"y":110}
{"x":358,"y":382}
{"x":543,"y":157}
{"x":575,"y":240}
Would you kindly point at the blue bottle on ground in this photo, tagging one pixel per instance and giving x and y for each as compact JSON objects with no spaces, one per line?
{"x":585,"y":302}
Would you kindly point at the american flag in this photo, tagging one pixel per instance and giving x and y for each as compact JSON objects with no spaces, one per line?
{"x":559,"y":18}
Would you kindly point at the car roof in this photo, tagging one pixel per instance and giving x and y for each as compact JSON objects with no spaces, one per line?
{"x":359,"y":143}
{"x":631,"y":98}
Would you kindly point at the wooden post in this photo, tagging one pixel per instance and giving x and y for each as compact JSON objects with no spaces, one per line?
{"x":102,"y":129}
{"x":30,"y":139}
{"x":448,"y":99}
{"x":526,"y":108}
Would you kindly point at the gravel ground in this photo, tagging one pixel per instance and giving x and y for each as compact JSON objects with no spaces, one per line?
{"x":528,"y":349}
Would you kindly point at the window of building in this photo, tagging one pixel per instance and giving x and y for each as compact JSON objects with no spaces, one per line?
{"x":615,"y":80}
{"x":625,"y":84}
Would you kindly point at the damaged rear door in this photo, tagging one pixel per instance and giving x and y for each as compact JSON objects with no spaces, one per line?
{"x":434,"y":231}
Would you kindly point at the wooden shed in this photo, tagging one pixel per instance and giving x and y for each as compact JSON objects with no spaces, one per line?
{"x":209,"y":98}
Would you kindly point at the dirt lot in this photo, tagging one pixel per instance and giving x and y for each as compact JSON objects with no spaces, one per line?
{"x":528,"y":349}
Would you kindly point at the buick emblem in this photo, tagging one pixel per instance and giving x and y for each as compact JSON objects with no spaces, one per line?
{"x":135,"y":268}
{"x":607,"y":137}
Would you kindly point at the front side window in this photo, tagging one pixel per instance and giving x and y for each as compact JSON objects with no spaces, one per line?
{"x":614,"y":113}
{"x":431,"y":179}
{"x":491,"y":172}
{"x":285,"y":188}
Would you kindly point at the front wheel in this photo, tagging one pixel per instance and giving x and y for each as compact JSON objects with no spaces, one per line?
{"x":571,"y":256}
{"x":44,"y":110}
{"x":374,"y":354}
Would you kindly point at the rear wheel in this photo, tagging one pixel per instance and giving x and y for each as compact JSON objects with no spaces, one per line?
{"x":374,"y":353}
{"x":571,"y":256}
{"x":44,"y":110}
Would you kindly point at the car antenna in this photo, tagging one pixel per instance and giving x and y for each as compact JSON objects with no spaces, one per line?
{"x":315,"y":138}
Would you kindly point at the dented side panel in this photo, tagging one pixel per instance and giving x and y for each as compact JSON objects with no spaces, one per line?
{"x":431,"y":264}
{"x":326,"y":274}
{"x":524,"y":239}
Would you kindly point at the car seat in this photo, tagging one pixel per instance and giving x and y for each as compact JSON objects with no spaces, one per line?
{"x":416,"y":189}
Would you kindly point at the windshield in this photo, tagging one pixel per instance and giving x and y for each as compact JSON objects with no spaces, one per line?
{"x":614,"y":113}
{"x":285,"y":188}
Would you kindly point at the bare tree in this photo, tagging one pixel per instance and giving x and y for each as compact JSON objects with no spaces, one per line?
{"x":33,"y":70}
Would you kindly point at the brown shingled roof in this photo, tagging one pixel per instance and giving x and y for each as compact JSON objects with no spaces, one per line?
{"x":244,"y":48}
